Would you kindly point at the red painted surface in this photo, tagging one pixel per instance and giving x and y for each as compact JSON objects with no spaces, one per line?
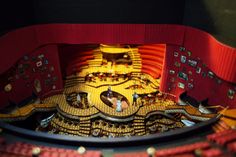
{"x":29,"y":38}
{"x":219,"y":58}
{"x":23,"y":87}
{"x":152,"y":58}
{"x":204,"y":87}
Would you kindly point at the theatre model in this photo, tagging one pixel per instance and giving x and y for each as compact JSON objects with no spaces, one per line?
{"x":99,"y":85}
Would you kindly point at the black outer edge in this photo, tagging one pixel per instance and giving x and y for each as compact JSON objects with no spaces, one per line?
{"x":111,"y":142}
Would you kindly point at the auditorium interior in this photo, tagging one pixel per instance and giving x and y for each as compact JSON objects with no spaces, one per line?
{"x":118,"y":79}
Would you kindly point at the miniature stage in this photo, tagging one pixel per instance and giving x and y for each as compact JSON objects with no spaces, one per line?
{"x":110,"y":97}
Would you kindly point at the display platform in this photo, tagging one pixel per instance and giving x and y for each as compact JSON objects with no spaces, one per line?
{"x":65,"y":97}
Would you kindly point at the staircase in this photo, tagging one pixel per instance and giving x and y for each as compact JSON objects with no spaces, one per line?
{"x":74,"y":97}
{"x":220,"y":126}
{"x":139,"y":125}
{"x":135,"y":74}
{"x":84,"y":126}
{"x":136,"y":60}
{"x":177,"y":115}
{"x":73,"y":81}
{"x":97,"y":61}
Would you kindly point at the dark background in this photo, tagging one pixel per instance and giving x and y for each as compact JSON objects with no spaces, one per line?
{"x":218,"y":17}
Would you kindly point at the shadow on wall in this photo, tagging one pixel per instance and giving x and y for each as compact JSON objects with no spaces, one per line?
{"x":73,"y":54}
{"x":213,"y":16}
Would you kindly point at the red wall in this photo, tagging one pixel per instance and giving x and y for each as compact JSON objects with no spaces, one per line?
{"x":152,"y":56}
{"x":221,"y":59}
{"x":48,"y":74}
{"x":203,"y":86}
{"x":29,"y":38}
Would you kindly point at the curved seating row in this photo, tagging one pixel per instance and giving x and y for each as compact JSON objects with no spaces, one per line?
{"x":226,"y":141}
{"x":79,"y":60}
{"x":152,"y":59}
{"x":27,"y":150}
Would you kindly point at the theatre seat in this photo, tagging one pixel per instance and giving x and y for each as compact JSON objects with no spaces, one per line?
{"x":25,"y":150}
{"x":202,"y":148}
